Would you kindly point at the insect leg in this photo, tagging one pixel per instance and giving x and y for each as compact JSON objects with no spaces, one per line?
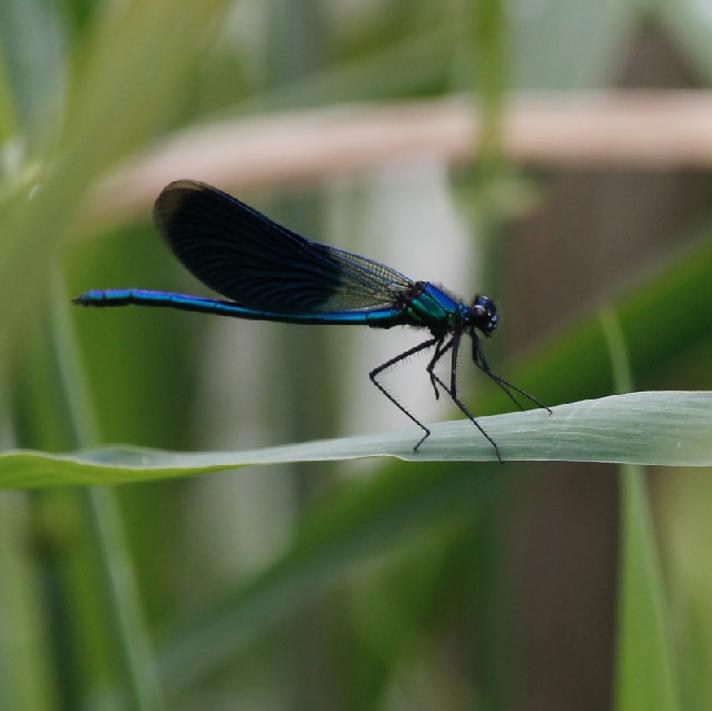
{"x":440,"y":351}
{"x":402,"y":356}
{"x":480,"y":361}
{"x":452,"y":392}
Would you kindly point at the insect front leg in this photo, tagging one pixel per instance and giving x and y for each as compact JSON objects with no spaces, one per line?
{"x":480,"y":361}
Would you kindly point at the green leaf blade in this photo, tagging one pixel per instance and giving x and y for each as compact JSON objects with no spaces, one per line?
{"x":645,"y":673}
{"x":653,"y":428}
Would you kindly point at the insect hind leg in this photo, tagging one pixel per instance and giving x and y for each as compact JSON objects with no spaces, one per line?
{"x":388,"y":364}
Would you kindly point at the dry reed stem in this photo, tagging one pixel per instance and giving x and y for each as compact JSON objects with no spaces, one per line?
{"x":646,"y":129}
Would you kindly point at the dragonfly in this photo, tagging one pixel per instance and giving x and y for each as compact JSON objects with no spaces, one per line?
{"x":269,"y":273}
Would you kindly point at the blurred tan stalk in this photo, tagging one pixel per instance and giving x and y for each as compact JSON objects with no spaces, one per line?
{"x":643,"y":128}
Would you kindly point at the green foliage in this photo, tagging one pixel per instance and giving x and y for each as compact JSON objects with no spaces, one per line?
{"x":271,"y":590}
{"x":657,"y":428}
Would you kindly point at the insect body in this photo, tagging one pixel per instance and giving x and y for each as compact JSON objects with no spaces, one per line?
{"x":269,"y":273}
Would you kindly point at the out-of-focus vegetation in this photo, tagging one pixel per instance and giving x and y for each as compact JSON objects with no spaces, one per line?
{"x":385,"y":585}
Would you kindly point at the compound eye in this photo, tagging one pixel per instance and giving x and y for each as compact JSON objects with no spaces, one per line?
{"x":484,"y":314}
{"x":486,"y":303}
{"x":479,"y":311}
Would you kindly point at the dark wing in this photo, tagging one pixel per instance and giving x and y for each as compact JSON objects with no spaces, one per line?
{"x":246,"y":257}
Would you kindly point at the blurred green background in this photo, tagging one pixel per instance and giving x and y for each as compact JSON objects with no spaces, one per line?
{"x":362,"y":585}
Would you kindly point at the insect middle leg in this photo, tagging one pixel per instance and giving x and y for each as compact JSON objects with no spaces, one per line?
{"x":440,"y":351}
{"x":452,"y":392}
{"x":389,"y":363}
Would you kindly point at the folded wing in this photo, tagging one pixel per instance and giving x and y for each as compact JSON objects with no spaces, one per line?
{"x":248,"y":258}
